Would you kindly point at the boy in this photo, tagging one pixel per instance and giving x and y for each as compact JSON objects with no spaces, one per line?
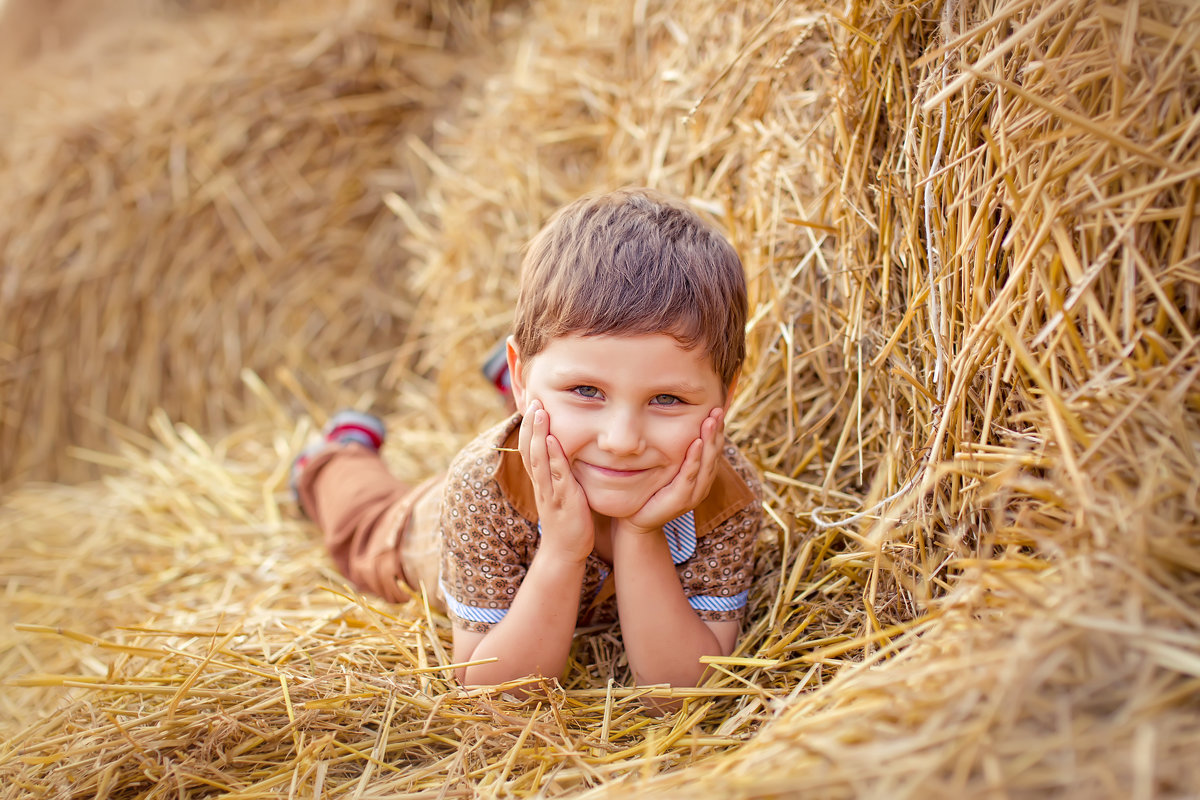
{"x":612,"y":496}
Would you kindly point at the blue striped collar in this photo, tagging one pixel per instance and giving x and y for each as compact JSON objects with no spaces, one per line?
{"x":681,"y":537}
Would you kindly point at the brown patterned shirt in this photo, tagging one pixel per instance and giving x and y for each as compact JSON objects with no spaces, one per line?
{"x":490,"y":533}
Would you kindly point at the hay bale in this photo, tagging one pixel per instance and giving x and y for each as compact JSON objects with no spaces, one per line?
{"x":972,"y":391}
{"x":1016,"y":315}
{"x":223,"y":214}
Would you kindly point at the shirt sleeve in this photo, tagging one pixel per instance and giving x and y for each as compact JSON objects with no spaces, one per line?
{"x":717,"y":578}
{"x":484,"y":543}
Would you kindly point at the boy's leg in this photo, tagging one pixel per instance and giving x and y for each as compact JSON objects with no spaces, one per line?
{"x":359,"y":506}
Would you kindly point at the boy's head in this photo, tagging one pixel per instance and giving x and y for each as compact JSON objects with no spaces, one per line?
{"x":628,"y":263}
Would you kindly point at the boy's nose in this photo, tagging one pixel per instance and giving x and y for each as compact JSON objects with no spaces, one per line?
{"x":622,"y":434}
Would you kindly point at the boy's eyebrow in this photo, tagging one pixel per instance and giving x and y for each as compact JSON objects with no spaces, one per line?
{"x":580,"y":375}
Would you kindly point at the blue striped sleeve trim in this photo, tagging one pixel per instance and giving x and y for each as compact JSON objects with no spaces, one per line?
{"x":681,"y":537}
{"x":710,"y":602}
{"x":472,"y":613}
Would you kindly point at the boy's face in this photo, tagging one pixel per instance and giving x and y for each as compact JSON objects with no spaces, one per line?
{"x":624,"y":408}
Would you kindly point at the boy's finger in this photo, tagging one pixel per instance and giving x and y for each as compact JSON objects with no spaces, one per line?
{"x":709,"y":449}
{"x":525,"y":432}
{"x":539,"y":458}
{"x":682,"y":488}
{"x":681,"y":493}
{"x":524,"y":438}
{"x":556,"y":459}
{"x":694,"y":460}
{"x":714,"y":441}
{"x":713,"y":427}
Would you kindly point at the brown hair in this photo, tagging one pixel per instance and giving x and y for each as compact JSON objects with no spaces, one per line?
{"x":633,"y":262}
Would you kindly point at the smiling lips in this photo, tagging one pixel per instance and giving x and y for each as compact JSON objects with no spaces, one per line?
{"x":615,"y":473}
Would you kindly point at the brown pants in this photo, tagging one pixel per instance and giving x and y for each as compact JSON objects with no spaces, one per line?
{"x":381,"y":533}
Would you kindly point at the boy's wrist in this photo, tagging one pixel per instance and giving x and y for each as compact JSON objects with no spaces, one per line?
{"x":635,"y":544}
{"x":551,"y":553}
{"x":627,"y":527}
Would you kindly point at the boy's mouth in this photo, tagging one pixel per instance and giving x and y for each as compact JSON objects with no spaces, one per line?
{"x":614,"y":472}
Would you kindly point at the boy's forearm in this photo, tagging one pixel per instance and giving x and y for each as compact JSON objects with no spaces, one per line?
{"x":534,"y":638}
{"x":664,"y":639}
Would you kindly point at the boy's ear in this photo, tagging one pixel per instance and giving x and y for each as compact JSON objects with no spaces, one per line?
{"x":515,"y":374}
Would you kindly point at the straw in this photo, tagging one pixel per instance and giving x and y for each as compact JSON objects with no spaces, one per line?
{"x":983,"y":585}
{"x":218,"y":210}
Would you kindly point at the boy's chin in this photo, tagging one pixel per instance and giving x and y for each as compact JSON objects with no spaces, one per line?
{"x":616,"y":505}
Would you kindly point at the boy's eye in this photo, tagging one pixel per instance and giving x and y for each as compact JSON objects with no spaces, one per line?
{"x":586,"y":391}
{"x":666,"y":400}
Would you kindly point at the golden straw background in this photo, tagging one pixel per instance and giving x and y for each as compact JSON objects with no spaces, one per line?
{"x":971,"y":231}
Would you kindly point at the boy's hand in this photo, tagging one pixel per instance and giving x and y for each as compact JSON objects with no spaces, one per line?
{"x":690,"y":485}
{"x":562,"y":506}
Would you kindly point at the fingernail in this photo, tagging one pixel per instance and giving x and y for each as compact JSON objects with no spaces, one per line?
{"x":539,"y":417}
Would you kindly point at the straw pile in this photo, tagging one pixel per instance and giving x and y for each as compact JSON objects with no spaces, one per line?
{"x":973,"y":240}
{"x":211,"y":204}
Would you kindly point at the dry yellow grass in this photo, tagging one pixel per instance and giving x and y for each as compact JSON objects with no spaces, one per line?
{"x":972,"y":237}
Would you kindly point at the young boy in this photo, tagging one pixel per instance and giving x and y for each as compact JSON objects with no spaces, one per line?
{"x":612,"y":495}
